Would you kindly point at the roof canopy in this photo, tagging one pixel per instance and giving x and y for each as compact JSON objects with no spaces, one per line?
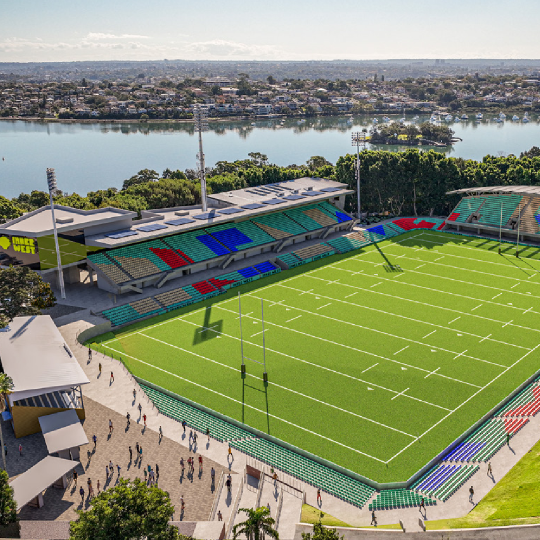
{"x":510,"y":190}
{"x":34,"y":354}
{"x":62,"y":431}
{"x":39,"y":477}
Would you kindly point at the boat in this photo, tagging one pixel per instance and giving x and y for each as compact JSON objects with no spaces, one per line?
{"x":402,"y":121}
{"x":479,"y":116}
{"x":525,"y":118}
{"x":448,"y":117}
{"x":515,"y":118}
{"x":386,"y":119}
{"x":464,"y":117}
{"x":375,"y":121}
{"x":499,"y":120}
{"x":502,"y":116}
{"x":433,"y":118}
{"x":416,"y":118}
{"x":457,"y":119}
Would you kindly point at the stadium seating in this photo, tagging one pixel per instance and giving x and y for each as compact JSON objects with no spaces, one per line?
{"x":466,"y":207}
{"x":313,"y":251}
{"x":238,"y":236}
{"x":193,"y":246}
{"x":529,"y":216}
{"x":329,"y":480}
{"x":172,"y":299}
{"x":497,"y":209}
{"x":289,"y":260}
{"x":526,"y":403}
{"x":133,"y":311}
{"x":310,"y":217}
{"x":443,"y":481}
{"x":331,"y":210}
{"x":109,"y":268}
{"x":389,"y":499}
{"x":278,"y":225}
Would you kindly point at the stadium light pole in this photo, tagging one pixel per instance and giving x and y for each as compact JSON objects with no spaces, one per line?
{"x":500,"y":231}
{"x":51,"y":181}
{"x":358,"y":138}
{"x":519,"y":223}
{"x":200,"y":116}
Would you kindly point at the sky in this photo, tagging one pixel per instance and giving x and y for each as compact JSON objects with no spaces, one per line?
{"x":77,"y":30}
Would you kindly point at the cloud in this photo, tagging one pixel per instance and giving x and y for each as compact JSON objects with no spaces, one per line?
{"x":219,"y":48}
{"x":94,"y":36}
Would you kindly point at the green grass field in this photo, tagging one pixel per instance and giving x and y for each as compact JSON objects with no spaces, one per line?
{"x":373,"y":368}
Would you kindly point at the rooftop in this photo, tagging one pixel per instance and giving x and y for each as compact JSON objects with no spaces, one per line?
{"x":510,"y":190}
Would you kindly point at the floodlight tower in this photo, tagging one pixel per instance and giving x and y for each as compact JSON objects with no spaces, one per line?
{"x":200,"y":116}
{"x":358,"y":138}
{"x":51,"y":181}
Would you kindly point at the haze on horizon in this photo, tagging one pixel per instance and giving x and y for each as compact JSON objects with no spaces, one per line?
{"x":58,"y":30}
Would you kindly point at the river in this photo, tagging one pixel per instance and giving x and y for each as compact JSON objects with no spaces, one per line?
{"x":91,"y":156}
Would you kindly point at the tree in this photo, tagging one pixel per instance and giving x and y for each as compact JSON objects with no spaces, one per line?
{"x":258,"y":159}
{"x":271,"y":79}
{"x":6,"y":387}
{"x":314,"y":162}
{"x":8,"y":506}
{"x":258,"y":524}
{"x":533,"y":152}
{"x":146,"y":175}
{"x":131,"y":509}
{"x":8,"y":210}
{"x":22,"y":292}
{"x":320,"y":532}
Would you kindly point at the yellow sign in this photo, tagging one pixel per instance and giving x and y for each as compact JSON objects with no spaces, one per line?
{"x":4,"y":242}
{"x":23,"y":245}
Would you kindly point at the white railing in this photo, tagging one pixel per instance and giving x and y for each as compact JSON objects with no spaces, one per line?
{"x":234,"y":508}
{"x":217,"y":497}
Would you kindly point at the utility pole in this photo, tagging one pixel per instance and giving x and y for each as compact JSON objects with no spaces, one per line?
{"x":358,"y":138}
{"x":51,"y":181}
{"x":200,"y":116}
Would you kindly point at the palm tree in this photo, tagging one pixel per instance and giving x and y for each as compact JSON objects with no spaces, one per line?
{"x":6,"y":387}
{"x":257,"y":526}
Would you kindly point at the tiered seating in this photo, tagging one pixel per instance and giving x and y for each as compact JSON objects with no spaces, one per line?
{"x":443,"y":481}
{"x":497,"y":205}
{"x":487,"y":440}
{"x":204,"y":287}
{"x":146,"y":306}
{"x":190,"y":246}
{"x":121,"y":314}
{"x":466,"y":207}
{"x":340,"y":216}
{"x":329,"y":480}
{"x":289,"y":260}
{"x":267,"y":268}
{"x":349,"y":242}
{"x":389,"y":499}
{"x":107,"y":267}
{"x":278,"y":225}
{"x":195,"y":418}
{"x":409,"y":224}
{"x":309,"y":219}
{"x":173,"y":299}
{"x":312,"y":252}
{"x":138,"y":260}
{"x":526,"y":403}
{"x":238,"y":236}
{"x":530,"y":220}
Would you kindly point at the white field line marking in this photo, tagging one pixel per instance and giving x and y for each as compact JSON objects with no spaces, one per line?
{"x":366,"y":251}
{"x":349,"y":295}
{"x":435,"y":306}
{"x":527,"y":311}
{"x":506,"y":324}
{"x":257,"y":333}
{"x":360,"y":350}
{"x":487,"y":337}
{"x":400,"y":394}
{"x":246,"y":405}
{"x":427,"y":335}
{"x":420,"y":266}
{"x":330,"y":283}
{"x":367,"y":369}
{"x":400,"y":350}
{"x":402,"y":317}
{"x":434,"y":371}
{"x":466,"y":401}
{"x":436,"y":259}
{"x":294,"y":318}
{"x":306,"y":292}
{"x":477,"y":307}
{"x":325,"y":305}
{"x":496,"y":296}
{"x":514,"y":285}
{"x":454,"y":320}
{"x":313,"y":364}
{"x":375,"y":284}
{"x":280,"y":386}
{"x":460,"y":354}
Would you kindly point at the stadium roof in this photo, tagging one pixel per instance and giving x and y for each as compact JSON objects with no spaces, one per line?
{"x":39,"y":222}
{"x":511,"y":190}
{"x":35,"y":355}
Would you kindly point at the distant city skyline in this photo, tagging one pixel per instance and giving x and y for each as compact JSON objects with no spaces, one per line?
{"x":58,"y":30}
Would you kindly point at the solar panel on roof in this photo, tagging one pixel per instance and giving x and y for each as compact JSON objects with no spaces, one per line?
{"x":329,"y":189}
{"x":152,"y":227}
{"x":252,"y":206}
{"x":180,"y":221}
{"x":230,"y":211}
{"x":294,"y":197}
{"x":273,"y":201}
{"x":311,"y":193}
{"x":207,"y":215}
{"x":122,"y":234}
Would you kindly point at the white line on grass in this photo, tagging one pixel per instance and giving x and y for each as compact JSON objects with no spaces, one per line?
{"x":514,"y":285}
{"x":464,"y":402}
{"x":460,"y":354}
{"x":294,"y":318}
{"x":454,"y":320}
{"x":400,"y":350}
{"x":280,"y":386}
{"x":400,"y":394}
{"x":432,"y":373}
{"x":477,"y":307}
{"x":496,"y":296}
{"x":325,"y":305}
{"x":487,"y":337}
{"x":349,"y":295}
{"x":506,"y":324}
{"x":247,"y":405}
{"x":527,"y":311}
{"x":427,"y":335}
{"x":367,"y":369}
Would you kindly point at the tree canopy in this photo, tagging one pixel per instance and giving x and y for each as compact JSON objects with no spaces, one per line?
{"x":131,"y":510}
{"x":320,"y":532}
{"x":8,"y":506}
{"x":8,"y":210}
{"x":22,"y":292}
{"x":257,"y":526}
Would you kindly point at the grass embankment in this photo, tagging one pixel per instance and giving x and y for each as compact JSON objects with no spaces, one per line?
{"x":513,"y":501}
{"x":311,"y":515}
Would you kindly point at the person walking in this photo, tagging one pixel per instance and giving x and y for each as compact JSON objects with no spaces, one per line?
{"x":373,"y":518}
{"x":212,"y":475}
{"x":75,"y":477}
{"x":140,"y":409}
{"x":200,"y":464}
{"x":118,"y":469}
{"x":98,"y":487}
{"x":184,"y":423}
{"x":89,"y":354}
{"x":422,"y":504}
{"x":229,"y":452}
{"x":489,"y":469}
{"x":208,"y":434}
{"x":130,"y":454}
{"x":508,"y":439}
{"x":106,"y":472}
{"x":20,"y":449}
{"x":81,"y":493}
{"x":228,"y":484}
{"x":99,"y":368}
{"x":90,"y":488}
{"x":128,"y":417}
{"x":111,"y":468}
{"x":157,"y":472}
{"x":140,"y":453}
{"x":319,"y":499}
{"x":190,"y":435}
{"x":5,"y":449}
{"x":112,"y":377}
{"x":134,"y":394}
{"x":110,"y":426}
{"x":149,"y":469}
{"x":145,"y":476}
{"x":137,"y":448}
{"x":219,"y":516}
{"x":144,"y":419}
{"x":182,"y":504}
{"x":194,"y":438}
{"x":160,"y":433}
{"x":94,"y":438}
{"x":471,"y":494}
{"x":151,"y":476}
{"x":182,"y":465}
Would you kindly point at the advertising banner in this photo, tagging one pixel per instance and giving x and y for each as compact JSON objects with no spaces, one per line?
{"x":19,"y":251}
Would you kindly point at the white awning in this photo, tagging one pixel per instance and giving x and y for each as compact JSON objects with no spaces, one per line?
{"x":62,"y":431}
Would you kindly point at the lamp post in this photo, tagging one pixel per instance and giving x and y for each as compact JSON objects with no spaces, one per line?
{"x":51,"y":181}
{"x":358,"y":138}
{"x":200,"y":116}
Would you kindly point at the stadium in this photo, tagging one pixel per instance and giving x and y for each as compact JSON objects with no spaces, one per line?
{"x":383,"y":364}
